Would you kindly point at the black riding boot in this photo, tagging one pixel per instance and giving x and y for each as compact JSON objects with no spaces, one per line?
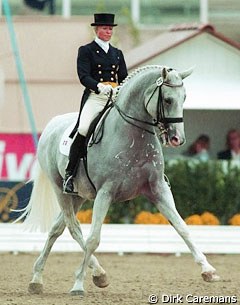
{"x":77,"y":151}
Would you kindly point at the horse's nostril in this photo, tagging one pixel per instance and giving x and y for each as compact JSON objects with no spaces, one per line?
{"x":175,"y":141}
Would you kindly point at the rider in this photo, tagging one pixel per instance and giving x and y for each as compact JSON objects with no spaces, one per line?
{"x":100,"y":68}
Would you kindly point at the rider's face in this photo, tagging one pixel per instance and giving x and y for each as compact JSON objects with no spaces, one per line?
{"x":104,"y":32}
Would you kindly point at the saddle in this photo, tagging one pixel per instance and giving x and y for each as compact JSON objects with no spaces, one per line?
{"x":94,"y":134}
{"x":96,"y":128}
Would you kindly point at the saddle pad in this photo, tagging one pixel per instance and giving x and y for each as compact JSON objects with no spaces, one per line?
{"x":66,"y":142}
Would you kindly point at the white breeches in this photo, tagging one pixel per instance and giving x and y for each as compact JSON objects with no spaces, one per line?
{"x":94,"y":104}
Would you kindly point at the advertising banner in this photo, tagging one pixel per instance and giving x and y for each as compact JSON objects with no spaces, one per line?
{"x":17,"y":157}
{"x":13,"y":196}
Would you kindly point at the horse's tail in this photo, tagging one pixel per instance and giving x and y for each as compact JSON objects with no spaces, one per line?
{"x":43,"y":207}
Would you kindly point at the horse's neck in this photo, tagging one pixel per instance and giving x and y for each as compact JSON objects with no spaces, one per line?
{"x":129,"y":127}
{"x":129,"y":109}
{"x":131,"y":101}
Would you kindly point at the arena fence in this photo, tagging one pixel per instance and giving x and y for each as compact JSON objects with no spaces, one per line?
{"x":127,"y":239}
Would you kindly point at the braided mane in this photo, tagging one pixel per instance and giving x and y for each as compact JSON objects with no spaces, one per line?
{"x":132,"y":74}
{"x":138,"y":70}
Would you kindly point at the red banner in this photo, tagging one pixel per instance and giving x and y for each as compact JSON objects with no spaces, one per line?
{"x":17,"y":156}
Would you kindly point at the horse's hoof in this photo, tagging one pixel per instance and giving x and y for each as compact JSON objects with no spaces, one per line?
{"x":77,"y":292}
{"x":210,"y":277}
{"x":35,"y":288}
{"x":101,"y":281}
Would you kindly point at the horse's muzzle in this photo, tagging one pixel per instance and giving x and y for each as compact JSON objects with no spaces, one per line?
{"x":176,"y":141}
{"x":170,"y":137}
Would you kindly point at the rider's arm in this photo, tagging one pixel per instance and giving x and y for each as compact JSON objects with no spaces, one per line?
{"x":84,"y":69}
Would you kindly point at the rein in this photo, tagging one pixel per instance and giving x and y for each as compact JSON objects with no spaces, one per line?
{"x":126,"y":117}
{"x":161,"y":119}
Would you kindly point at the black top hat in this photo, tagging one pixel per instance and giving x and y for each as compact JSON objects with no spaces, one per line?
{"x":103,"y":19}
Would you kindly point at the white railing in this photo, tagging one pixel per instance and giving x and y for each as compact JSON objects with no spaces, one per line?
{"x":66,"y":9}
{"x":136,"y":10}
{"x":128,"y":238}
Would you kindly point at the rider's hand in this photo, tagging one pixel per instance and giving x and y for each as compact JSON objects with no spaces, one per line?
{"x":104,"y":89}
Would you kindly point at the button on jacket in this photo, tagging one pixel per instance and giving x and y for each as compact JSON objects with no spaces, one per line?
{"x":94,"y":65}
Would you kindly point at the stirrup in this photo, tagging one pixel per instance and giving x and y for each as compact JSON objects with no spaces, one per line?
{"x":69,"y":190}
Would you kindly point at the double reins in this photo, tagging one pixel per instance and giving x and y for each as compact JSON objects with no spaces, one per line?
{"x":160,"y":117}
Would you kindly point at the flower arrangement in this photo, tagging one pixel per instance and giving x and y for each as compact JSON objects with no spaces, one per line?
{"x":206,"y":218}
{"x":235,"y":220}
{"x":209,"y":219}
{"x":86,"y":216}
{"x":194,"y":220}
{"x":145,"y":217}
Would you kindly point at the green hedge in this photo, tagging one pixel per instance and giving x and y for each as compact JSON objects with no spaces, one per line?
{"x":197,"y":187}
{"x":205,"y":186}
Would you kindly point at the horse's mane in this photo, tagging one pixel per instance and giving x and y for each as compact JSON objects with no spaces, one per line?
{"x":133,"y":73}
{"x":138,"y":70}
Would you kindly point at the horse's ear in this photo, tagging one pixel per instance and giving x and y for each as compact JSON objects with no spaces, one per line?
{"x":164,"y":74}
{"x":186,"y":73}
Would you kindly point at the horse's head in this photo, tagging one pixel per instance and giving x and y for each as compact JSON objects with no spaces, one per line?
{"x":164,"y":102}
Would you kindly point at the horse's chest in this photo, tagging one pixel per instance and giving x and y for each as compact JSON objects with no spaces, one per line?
{"x":136,"y":164}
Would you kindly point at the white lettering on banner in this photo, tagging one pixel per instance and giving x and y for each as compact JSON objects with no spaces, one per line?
{"x":17,"y":157}
{"x":15,"y":172}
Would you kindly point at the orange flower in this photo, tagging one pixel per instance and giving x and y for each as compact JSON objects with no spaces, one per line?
{"x":145,"y":217}
{"x":235,"y":220}
{"x":86,"y":216}
{"x":194,"y":220}
{"x":162,"y":220}
{"x":209,"y":219}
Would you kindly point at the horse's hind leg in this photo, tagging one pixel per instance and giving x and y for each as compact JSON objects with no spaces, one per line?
{"x":36,"y":284}
{"x":165,"y":203}
{"x":99,"y":274}
{"x":100,"y":208}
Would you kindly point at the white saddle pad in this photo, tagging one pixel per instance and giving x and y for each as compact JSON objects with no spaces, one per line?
{"x":66,"y":142}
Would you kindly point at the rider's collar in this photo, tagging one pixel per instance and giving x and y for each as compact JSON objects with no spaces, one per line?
{"x":102,"y":44}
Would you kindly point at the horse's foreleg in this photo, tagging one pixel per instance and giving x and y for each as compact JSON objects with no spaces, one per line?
{"x":163,"y":198}
{"x":100,"y":209}
{"x":36,"y":284}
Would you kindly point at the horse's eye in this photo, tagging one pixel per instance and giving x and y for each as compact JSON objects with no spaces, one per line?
{"x":168,"y":101}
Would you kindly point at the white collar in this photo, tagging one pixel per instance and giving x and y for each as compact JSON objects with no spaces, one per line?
{"x":103,"y":44}
{"x":235,"y":156}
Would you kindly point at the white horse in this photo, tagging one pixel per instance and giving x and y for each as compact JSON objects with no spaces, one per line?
{"x":126,"y":163}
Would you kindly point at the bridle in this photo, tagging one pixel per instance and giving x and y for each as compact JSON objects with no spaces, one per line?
{"x":161,"y":120}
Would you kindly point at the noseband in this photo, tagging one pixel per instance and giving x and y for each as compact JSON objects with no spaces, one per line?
{"x":161,"y":120}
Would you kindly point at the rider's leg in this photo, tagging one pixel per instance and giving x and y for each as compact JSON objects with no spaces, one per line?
{"x":77,"y":152}
{"x":91,"y":109}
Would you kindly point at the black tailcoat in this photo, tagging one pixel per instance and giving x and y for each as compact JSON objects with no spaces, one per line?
{"x":94,"y":65}
{"x":225,"y":155}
